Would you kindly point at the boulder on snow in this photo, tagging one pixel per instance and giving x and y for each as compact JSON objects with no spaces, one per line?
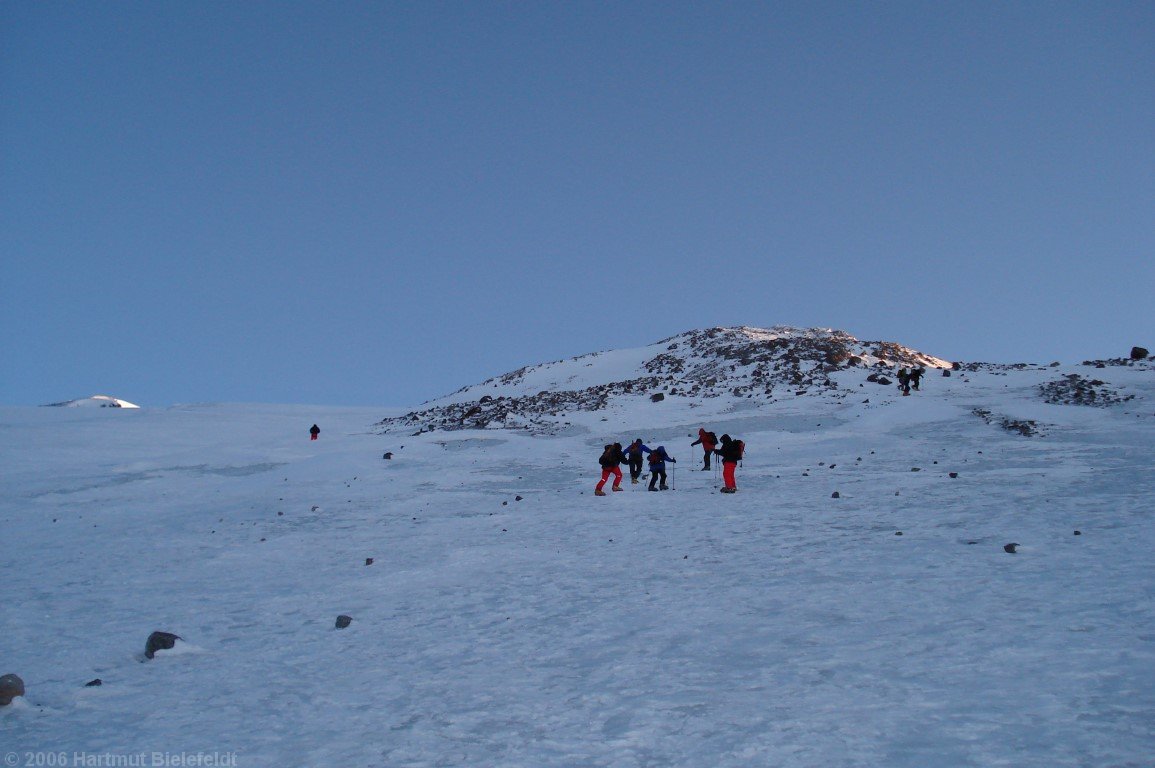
{"x":657,"y":397}
{"x":11,"y":686}
{"x":159,"y":641}
{"x":1138,"y":353}
{"x":1010,"y":549}
{"x":94,"y":683}
{"x":388,"y":455}
{"x":344,"y":621}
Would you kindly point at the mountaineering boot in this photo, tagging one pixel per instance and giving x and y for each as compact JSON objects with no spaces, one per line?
{"x":599,"y":492}
{"x":663,"y":487}
{"x":617,"y":488}
{"x":634,"y":480}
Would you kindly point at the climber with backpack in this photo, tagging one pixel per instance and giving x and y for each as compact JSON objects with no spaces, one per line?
{"x":731,"y":453}
{"x":708,"y":441}
{"x":658,"y":459}
{"x":904,"y":381}
{"x":611,"y":461}
{"x":634,"y":453}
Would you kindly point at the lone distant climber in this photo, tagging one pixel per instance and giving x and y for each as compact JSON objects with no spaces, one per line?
{"x":611,"y":461}
{"x":658,"y":459}
{"x":314,"y":431}
{"x":708,"y":441}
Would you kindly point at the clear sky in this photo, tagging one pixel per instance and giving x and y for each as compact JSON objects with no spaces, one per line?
{"x":378,"y":203}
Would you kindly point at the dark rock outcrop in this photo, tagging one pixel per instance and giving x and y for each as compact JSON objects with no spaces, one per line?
{"x":159,"y":641}
{"x":11,"y":686}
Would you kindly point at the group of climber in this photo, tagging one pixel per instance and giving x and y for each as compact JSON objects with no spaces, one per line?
{"x":909,"y":378}
{"x":614,"y":455}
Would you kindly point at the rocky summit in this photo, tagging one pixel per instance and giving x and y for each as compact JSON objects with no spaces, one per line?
{"x":756,"y":364}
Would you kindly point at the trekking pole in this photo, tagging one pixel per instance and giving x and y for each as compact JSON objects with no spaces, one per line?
{"x":674,"y":476}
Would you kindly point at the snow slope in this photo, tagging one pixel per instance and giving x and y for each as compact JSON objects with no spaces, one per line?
{"x":776,"y":627}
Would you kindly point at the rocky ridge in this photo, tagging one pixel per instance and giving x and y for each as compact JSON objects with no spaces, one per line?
{"x":744,"y":362}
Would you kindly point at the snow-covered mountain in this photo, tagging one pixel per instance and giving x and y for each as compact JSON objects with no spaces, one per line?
{"x":857,"y":603}
{"x":745,"y":363}
{"x":96,"y":401}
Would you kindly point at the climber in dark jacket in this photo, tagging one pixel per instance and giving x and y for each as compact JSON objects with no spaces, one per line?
{"x":731,"y":453}
{"x":916,"y":377}
{"x":634,"y":453}
{"x":314,"y":431}
{"x":658,"y":459}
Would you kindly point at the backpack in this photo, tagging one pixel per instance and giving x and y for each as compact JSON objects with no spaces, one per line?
{"x":741,"y":448}
{"x":655,"y":458}
{"x":713,"y":438}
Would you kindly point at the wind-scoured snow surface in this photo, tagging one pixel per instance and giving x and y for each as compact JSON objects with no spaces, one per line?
{"x":775,"y":627}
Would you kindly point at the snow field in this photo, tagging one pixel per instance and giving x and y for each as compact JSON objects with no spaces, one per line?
{"x":778,"y":626}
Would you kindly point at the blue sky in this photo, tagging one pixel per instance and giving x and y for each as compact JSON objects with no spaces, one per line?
{"x":378,"y":203}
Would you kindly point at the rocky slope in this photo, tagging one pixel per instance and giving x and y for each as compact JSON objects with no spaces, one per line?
{"x":751,"y":363}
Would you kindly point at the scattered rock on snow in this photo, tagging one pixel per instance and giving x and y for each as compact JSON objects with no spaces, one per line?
{"x":96,"y":683}
{"x":11,"y":686}
{"x":836,"y":495}
{"x":344,"y":621}
{"x":1010,"y":548}
{"x":1024,"y":427}
{"x":1074,"y":389}
{"x":1138,"y":353}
